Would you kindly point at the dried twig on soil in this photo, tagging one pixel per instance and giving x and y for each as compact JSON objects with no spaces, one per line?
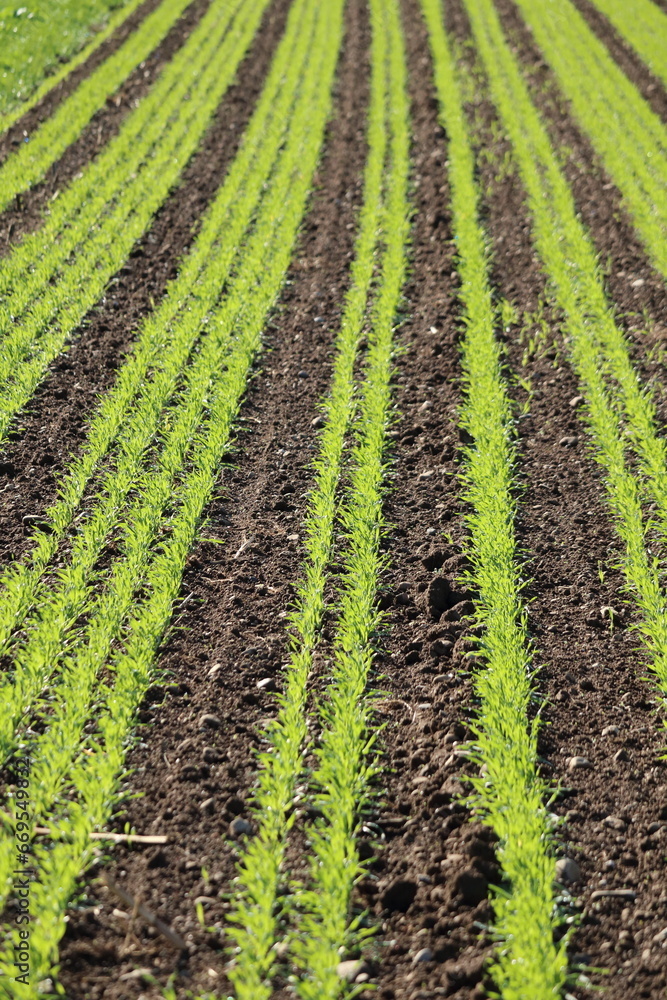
{"x":118,"y":838}
{"x":138,"y":907}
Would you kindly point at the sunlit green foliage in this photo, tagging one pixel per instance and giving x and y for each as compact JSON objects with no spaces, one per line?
{"x":511,"y":795}
{"x":255,"y":914}
{"x":598,"y":349}
{"x":283,"y":144}
{"x":47,"y":38}
{"x":43,"y":147}
{"x":644,"y":25}
{"x":55,"y":275}
{"x":341,"y":781}
{"x":629,"y":137}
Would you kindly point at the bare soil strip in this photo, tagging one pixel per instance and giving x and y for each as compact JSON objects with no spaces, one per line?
{"x":613,"y":807}
{"x":53,"y":426}
{"x":24,"y":215}
{"x":45,"y":108}
{"x":648,"y":85}
{"x":195,"y":778}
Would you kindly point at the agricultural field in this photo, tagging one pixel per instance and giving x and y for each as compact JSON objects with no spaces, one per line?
{"x":333,"y":499}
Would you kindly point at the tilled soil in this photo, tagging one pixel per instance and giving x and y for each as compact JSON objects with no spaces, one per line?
{"x":230,"y":630}
{"x":53,"y":427}
{"x":428,"y":887}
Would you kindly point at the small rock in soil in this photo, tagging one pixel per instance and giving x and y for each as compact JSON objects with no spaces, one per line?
{"x":625,"y":939}
{"x":569,"y":441}
{"x":211,"y":755}
{"x":208,"y":721}
{"x":471,"y":887}
{"x":239,"y":827}
{"x":207,"y":805}
{"x":267,"y":684}
{"x":351,"y":969}
{"x":423,"y":955}
{"x":576,"y":400}
{"x":567,"y":871}
{"x":610,"y":731}
{"x":215,"y":673}
{"x":578,"y":762}
{"x":399,"y":895}
{"x":615,"y":823}
{"x":440,"y":648}
{"x":620,"y":755}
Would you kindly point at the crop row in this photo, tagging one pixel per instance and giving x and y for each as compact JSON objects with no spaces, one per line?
{"x":644,"y":26}
{"x":46,"y":144}
{"x":136,"y":420}
{"x":628,"y":136}
{"x":510,"y":796}
{"x":33,"y":41}
{"x":83,"y":639}
{"x":599,"y":352}
{"x":56,"y":274}
{"x":191,"y":400}
{"x":316,"y":917}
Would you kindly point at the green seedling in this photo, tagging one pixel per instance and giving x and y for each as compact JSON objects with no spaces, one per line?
{"x":509,"y":794}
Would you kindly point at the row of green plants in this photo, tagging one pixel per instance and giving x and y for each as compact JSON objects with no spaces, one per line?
{"x":47,"y":143}
{"x":343,"y":779}
{"x":48,"y":635}
{"x":257,"y":912}
{"x":129,"y":415}
{"x":40,"y":44}
{"x":510,"y":796}
{"x":619,"y":411}
{"x":317,"y":917}
{"x":45,"y":611}
{"x":628,"y":136}
{"x":644,"y":26}
{"x":57,"y":274}
{"x":147,"y":588}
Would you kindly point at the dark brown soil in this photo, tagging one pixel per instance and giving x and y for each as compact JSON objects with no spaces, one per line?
{"x":649,"y":86}
{"x":54,"y":426}
{"x":428,"y":887}
{"x":236,"y":592}
{"x":24,"y":214}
